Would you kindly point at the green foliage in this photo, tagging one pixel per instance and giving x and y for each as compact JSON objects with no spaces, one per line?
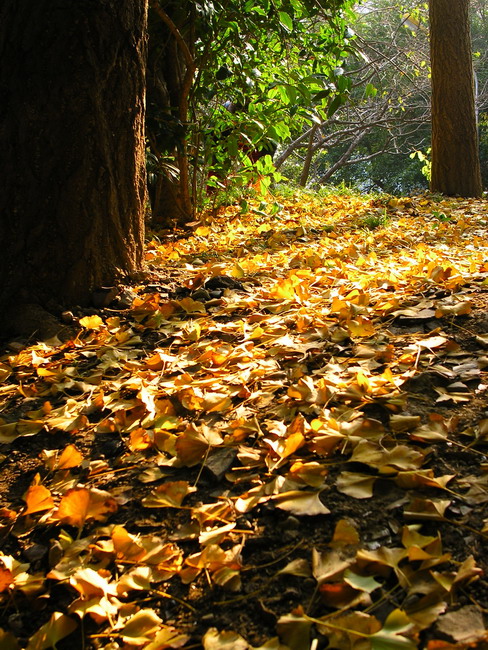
{"x":374,"y":220}
{"x":276,"y":64}
{"x":425,"y":160}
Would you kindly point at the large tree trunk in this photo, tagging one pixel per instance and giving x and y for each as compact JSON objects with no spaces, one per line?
{"x":455,"y":157}
{"x":72,"y":82}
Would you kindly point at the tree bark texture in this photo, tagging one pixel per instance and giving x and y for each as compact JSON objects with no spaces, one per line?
{"x":455,"y":156}
{"x":72,"y":161}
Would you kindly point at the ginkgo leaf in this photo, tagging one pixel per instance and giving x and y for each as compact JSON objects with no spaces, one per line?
{"x":91,"y":322}
{"x":345,"y":534}
{"x":193,"y":444}
{"x":299,"y":567}
{"x":294,"y":630}
{"x":459,"y":309}
{"x":390,"y":637}
{"x":79,"y":504}
{"x":191,"y":306}
{"x":361,"y":583}
{"x":301,"y":503}
{"x":168,"y":495}
{"x":359,"y":486}
{"x":426,"y":509}
{"x":38,"y":499}
{"x":344,"y":631}
{"x":167,"y":637}
{"x":8,"y":641}
{"x":57,"y":628}
{"x":137,"y":579}
{"x":224,"y":640}
{"x":141,"y":627}
{"x":6,"y":579}
{"x":70,"y":457}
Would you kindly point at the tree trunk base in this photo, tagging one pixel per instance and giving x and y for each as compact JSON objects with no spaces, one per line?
{"x":31,"y":321}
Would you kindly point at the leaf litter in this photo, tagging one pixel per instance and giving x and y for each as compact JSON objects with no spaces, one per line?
{"x":278,"y":441}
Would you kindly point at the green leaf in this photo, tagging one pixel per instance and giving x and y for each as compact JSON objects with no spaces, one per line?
{"x":334,"y":105}
{"x":285,"y":21}
{"x":370,"y":91}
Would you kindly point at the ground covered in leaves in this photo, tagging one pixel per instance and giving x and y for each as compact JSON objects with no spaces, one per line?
{"x":275,"y":440}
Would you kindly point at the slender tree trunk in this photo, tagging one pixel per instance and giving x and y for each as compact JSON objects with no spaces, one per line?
{"x":308,"y":158}
{"x":455,"y":157}
{"x":171,"y":70}
{"x":72,"y":82}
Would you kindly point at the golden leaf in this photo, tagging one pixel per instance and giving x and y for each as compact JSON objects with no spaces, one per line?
{"x":91,"y":322}
{"x":79,"y":504}
{"x":168,"y":495}
{"x":38,"y":499}
{"x":58,"y":627}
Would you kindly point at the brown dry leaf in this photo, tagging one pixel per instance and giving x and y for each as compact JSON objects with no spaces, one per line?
{"x":328,"y":566}
{"x":459,"y":309}
{"x":465,"y":625}
{"x":81,"y":504}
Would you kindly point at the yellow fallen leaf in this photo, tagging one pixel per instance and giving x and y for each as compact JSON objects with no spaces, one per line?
{"x":301,"y":503}
{"x":168,"y":495}
{"x":79,"y":504}
{"x":38,"y":499}
{"x":91,"y":322}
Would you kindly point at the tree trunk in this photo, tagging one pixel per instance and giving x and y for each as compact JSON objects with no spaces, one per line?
{"x":72,"y":81}
{"x":171,"y":68}
{"x":455,"y":157}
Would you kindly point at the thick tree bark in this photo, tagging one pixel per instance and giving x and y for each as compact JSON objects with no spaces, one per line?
{"x":455,"y":157}
{"x":72,"y":163}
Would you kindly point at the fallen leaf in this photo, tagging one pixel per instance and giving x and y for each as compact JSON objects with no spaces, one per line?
{"x":81,"y":504}
{"x":48,"y":635}
{"x":168,"y":495}
{"x":301,"y":503}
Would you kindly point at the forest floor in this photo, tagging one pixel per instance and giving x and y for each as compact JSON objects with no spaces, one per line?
{"x":277,"y":439}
